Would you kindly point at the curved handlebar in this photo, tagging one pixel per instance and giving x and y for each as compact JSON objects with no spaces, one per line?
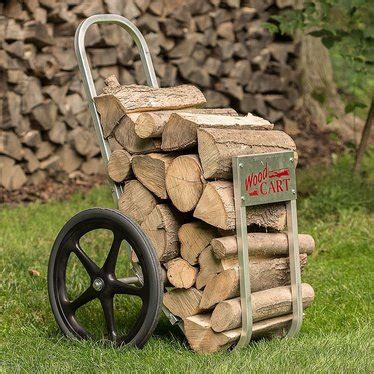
{"x":88,"y":82}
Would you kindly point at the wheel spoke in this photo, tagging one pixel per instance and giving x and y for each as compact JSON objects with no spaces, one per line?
{"x":121,"y":288}
{"x":107,"y":305}
{"x":111,"y":260}
{"x":88,"y":264}
{"x":83,"y":299}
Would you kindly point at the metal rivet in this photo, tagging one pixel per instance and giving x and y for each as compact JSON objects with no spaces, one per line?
{"x":98,"y":284}
{"x":294,"y":191}
{"x":243,"y":198}
{"x":241,"y":165}
{"x":291,"y":159}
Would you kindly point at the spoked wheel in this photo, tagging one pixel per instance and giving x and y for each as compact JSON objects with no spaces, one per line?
{"x":104,"y":284}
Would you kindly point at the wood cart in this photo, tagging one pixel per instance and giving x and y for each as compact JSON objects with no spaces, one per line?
{"x":145,"y":282}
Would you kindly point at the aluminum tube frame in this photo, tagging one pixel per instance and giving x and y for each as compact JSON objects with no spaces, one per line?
{"x":243,"y":257}
{"x":88,"y":82}
{"x":90,"y":90}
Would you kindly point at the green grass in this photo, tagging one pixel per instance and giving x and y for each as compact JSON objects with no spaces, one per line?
{"x":336,"y":208}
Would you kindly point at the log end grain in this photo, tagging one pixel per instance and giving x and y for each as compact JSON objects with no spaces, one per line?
{"x":184,"y":182}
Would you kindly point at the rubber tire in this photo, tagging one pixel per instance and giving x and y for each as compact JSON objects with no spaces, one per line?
{"x":133,"y":231}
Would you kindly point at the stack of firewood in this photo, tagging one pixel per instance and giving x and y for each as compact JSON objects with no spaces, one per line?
{"x":175,"y":167}
{"x":221,"y":46}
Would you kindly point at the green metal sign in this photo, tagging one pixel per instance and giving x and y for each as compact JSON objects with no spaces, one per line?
{"x":267,"y":178}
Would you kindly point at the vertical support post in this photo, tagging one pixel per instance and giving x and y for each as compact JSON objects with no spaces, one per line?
{"x":243,"y":256}
{"x":295,"y":273}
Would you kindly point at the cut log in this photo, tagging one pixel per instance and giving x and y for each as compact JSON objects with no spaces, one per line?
{"x":119,"y":166}
{"x":151,"y":124}
{"x":136,"y":201}
{"x":45,"y":114}
{"x":217,"y":147}
{"x":184,"y":182}
{"x":264,"y":274}
{"x":136,"y":98}
{"x":227,"y":315}
{"x":161,"y":226}
{"x":180,"y":273}
{"x":150,"y":170}
{"x":180,"y":132}
{"x":10,"y":145}
{"x":203,"y":339}
{"x":194,"y":237}
{"x":261,"y":244}
{"x":216,"y":207}
{"x":125,"y":135}
{"x":12,"y":176}
{"x":210,"y":266}
{"x":110,"y":112}
{"x":183,"y":303}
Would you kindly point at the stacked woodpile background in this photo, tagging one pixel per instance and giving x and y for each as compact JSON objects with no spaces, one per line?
{"x":220,"y":46}
{"x":174,"y":162}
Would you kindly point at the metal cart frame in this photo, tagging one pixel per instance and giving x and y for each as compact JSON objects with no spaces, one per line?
{"x":238,"y":169}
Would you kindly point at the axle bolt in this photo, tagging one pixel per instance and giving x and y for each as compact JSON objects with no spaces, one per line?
{"x":98,"y":284}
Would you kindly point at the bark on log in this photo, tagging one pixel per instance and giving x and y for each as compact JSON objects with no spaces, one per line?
{"x":150,"y":170}
{"x":227,"y":315}
{"x":217,"y":146}
{"x":183,"y":303}
{"x":180,"y":132}
{"x":136,"y":201}
{"x":194,"y":237}
{"x":264,"y":274}
{"x":118,"y":100}
{"x":151,"y":124}
{"x":180,"y":273}
{"x":125,"y":135}
{"x":184,"y":182}
{"x":216,"y":207}
{"x":119,"y":166}
{"x":161,"y":226}
{"x":261,"y":244}
{"x":203,"y":339}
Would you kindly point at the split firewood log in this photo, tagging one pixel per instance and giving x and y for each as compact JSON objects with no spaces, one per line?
{"x":118,"y":100}
{"x":12,"y":177}
{"x":216,"y":207}
{"x":194,"y":237}
{"x":10,"y":145}
{"x":161,"y":226}
{"x":180,"y":132}
{"x":180,"y":273}
{"x":203,"y":339}
{"x":136,"y":201}
{"x":210,"y":266}
{"x":151,"y":170}
{"x":218,"y":146}
{"x":183,"y":302}
{"x":227,"y":315}
{"x":119,"y":165}
{"x":125,"y":135}
{"x":151,"y":124}
{"x":184,"y":182}
{"x":264,"y":274}
{"x":261,"y":244}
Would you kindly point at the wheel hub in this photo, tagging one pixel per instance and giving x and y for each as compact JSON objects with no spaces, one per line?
{"x":98,"y":284}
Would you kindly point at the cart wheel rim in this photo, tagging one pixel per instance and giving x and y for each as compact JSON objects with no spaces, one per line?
{"x":104,"y":285}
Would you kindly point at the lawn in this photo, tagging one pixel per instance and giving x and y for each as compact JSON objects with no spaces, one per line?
{"x":337,"y":335}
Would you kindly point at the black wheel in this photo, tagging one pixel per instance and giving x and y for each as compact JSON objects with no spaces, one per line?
{"x":103,"y":282}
